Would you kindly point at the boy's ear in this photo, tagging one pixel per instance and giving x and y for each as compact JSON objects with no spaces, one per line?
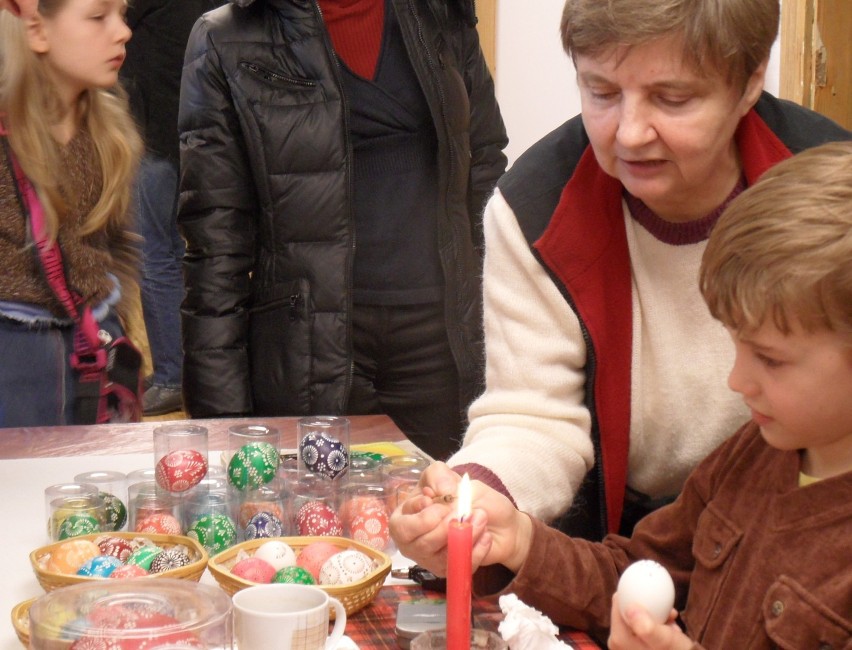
{"x":37,"y":35}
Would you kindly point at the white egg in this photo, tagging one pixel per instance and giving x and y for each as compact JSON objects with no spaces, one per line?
{"x":278,"y":554}
{"x":648,"y":584}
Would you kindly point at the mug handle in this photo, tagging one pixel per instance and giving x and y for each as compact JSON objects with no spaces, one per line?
{"x":339,"y":623}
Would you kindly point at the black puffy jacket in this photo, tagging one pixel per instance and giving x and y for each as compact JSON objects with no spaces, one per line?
{"x":265,"y":201}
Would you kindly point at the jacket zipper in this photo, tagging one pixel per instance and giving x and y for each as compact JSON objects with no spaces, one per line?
{"x":347,"y":388}
{"x":269,"y":75}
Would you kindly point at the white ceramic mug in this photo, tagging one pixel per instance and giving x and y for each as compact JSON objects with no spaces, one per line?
{"x":286,"y":617}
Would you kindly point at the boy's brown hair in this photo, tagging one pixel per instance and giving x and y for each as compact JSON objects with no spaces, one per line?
{"x":782,"y":250}
{"x":732,"y":37}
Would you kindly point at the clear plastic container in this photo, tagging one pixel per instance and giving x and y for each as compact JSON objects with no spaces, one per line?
{"x":161,"y":613}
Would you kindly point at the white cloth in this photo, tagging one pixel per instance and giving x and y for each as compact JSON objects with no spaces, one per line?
{"x":525,"y":628}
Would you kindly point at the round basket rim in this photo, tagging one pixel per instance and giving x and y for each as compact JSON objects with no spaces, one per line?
{"x":372,"y":582}
{"x":196,"y":566}
{"x":21,"y":620}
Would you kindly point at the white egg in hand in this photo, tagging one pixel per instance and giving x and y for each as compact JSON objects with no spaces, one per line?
{"x":648,"y":584}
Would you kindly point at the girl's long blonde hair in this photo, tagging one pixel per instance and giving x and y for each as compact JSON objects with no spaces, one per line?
{"x":29,"y":106}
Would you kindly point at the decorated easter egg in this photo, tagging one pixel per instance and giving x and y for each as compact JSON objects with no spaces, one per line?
{"x":115,"y":512}
{"x":294,"y":575}
{"x":250,"y":508}
{"x":276,"y":553}
{"x":368,"y":521}
{"x":161,"y":523}
{"x":78,"y":524}
{"x":324,"y":454}
{"x":99,"y":567}
{"x":318,"y":518}
{"x":264,"y":524}
{"x":116,"y":546}
{"x":345,"y":567}
{"x":215,"y":532}
{"x":144,"y":556}
{"x":170,"y":558}
{"x":128,"y":571}
{"x":254,"y":569}
{"x":647,"y":583}
{"x":180,"y":470}
{"x":71,"y":555}
{"x":254,"y":464}
{"x":314,"y":555}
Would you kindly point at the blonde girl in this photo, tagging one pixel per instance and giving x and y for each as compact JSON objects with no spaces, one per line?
{"x":66,"y":123}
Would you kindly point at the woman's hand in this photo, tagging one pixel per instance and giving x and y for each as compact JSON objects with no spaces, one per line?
{"x":638,"y":631}
{"x":22,"y":8}
{"x":501,"y":534}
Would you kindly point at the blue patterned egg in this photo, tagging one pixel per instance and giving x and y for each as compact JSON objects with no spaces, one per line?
{"x":264,"y":524}
{"x":253,"y":465}
{"x":99,"y":567}
{"x":324,"y":454}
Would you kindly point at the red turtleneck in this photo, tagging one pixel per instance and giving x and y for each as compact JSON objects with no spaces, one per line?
{"x":355,"y":28}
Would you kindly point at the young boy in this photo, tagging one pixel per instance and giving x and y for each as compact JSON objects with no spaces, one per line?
{"x":758,"y":542}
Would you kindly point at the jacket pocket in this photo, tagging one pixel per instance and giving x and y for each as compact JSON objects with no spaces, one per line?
{"x":796,"y":618}
{"x":264,"y":84}
{"x":280,"y":349}
{"x":714,"y":545}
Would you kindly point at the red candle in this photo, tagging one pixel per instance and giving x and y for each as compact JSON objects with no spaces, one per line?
{"x":459,"y":572}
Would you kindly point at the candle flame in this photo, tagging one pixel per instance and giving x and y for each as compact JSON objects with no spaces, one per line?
{"x":463,"y":500}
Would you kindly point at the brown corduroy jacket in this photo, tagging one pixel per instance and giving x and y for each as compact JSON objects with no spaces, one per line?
{"x":758,"y":562}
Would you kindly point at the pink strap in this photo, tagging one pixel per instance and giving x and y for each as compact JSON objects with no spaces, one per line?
{"x":88,"y":355}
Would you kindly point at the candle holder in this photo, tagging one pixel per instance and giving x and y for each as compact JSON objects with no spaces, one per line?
{"x":479,"y":640}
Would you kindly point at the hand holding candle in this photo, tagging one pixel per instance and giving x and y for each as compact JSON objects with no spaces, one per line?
{"x":460,"y":571}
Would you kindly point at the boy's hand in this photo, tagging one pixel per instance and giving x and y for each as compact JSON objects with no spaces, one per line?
{"x":638,"y":631}
{"x":23,"y":8}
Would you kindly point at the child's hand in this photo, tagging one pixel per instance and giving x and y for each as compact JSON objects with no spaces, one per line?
{"x":638,"y":631}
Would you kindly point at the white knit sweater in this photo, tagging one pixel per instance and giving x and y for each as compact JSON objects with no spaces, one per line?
{"x":530,"y":426}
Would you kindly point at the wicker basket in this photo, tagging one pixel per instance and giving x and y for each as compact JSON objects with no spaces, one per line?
{"x":21,"y":621}
{"x":50,"y":580}
{"x":354,"y":596}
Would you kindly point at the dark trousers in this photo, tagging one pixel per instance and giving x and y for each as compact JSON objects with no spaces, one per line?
{"x":404,"y":368}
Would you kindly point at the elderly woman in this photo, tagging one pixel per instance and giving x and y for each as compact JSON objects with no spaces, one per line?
{"x":606,"y":375}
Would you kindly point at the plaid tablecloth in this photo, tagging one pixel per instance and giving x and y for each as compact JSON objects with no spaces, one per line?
{"x":374,"y":627}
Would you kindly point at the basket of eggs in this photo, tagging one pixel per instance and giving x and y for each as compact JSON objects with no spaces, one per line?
{"x":346,"y":569}
{"x":118,"y":555}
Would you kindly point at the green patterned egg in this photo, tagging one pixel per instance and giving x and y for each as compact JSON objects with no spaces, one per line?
{"x":294,"y":574}
{"x":253,"y":465}
{"x":115,"y":512}
{"x":144,"y":556}
{"x":78,"y":524}
{"x":214,"y":532}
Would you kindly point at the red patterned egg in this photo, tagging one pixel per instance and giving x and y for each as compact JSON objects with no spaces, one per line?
{"x":314,"y":555}
{"x":254,"y":569}
{"x":181,"y":469}
{"x":318,"y":518}
{"x":128,"y":571}
{"x":345,"y":567}
{"x":370,"y":525}
{"x":116,"y":546}
{"x":161,"y":523}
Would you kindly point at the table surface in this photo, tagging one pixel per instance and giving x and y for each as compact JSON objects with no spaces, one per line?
{"x":57,"y":454}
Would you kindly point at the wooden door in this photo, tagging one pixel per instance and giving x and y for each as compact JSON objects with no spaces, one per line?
{"x":816,"y":56}
{"x":486,"y":11}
